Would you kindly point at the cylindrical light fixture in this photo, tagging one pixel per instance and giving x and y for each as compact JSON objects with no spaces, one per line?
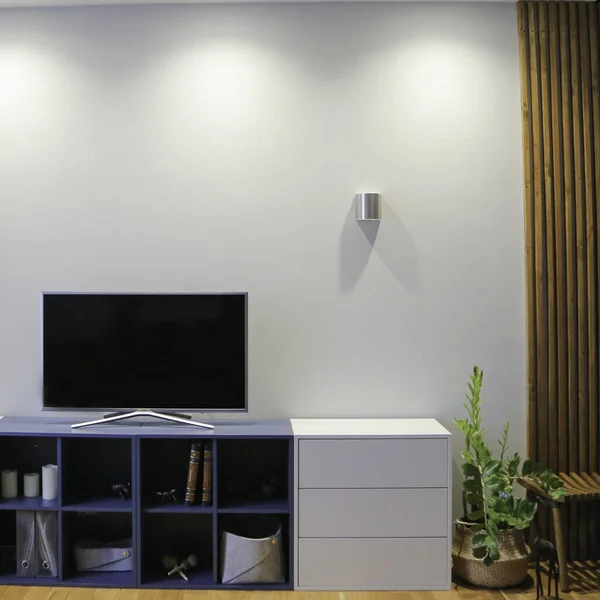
{"x":368,"y":207}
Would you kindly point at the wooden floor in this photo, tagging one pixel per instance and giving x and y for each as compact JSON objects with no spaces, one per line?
{"x":585,"y":585}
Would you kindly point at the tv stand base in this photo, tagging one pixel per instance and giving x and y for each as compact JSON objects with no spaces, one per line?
{"x":174,"y":418}
{"x":174,"y":414}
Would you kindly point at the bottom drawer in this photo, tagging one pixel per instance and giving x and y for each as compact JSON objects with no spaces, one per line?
{"x":370,"y":563}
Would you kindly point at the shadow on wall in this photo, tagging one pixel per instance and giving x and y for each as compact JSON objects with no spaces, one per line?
{"x":389,"y":239}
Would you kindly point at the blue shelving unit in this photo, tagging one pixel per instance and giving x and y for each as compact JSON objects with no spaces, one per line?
{"x":252,"y":485}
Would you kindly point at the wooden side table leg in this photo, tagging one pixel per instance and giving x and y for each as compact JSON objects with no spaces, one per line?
{"x":560,"y":549}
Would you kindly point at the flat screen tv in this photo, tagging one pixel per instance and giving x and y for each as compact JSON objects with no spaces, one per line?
{"x":162,"y":352}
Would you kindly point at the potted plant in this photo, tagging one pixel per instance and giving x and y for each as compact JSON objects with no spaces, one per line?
{"x":489,"y":548}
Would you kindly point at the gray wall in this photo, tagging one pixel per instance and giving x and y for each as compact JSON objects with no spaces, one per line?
{"x":219,"y":148}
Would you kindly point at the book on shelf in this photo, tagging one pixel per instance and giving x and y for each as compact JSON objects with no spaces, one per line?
{"x":192,"y":478}
{"x":207,"y":475}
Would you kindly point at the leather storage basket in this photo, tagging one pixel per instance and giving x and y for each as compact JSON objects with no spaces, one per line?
{"x":93,"y":556}
{"x":252,"y":560}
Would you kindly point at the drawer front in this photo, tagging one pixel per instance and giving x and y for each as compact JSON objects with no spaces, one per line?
{"x":373,"y":513}
{"x":386,"y":563}
{"x":373,"y":463}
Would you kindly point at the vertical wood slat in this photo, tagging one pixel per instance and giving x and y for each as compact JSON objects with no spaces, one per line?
{"x":589,"y":250}
{"x":594,"y":17}
{"x":581,"y":276}
{"x":559,"y":56}
{"x":594,"y":424}
{"x":550,"y":246}
{"x":525,"y":73}
{"x":561,"y":464}
{"x":544,"y":245}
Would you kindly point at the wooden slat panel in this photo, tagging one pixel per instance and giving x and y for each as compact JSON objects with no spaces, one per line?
{"x":560,"y":63}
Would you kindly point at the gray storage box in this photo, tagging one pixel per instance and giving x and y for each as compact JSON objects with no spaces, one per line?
{"x":94,"y":556}
{"x":252,"y":560}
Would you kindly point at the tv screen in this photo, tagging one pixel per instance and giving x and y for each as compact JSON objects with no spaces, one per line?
{"x":154,"y":351}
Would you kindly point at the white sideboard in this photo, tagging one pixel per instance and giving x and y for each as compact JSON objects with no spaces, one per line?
{"x":372,"y":504}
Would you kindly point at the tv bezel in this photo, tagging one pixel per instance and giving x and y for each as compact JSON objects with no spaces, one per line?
{"x":170,"y":409}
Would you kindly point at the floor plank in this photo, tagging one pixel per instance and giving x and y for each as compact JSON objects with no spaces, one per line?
{"x":585,"y":585}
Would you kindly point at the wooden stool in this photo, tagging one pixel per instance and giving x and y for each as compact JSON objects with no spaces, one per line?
{"x":580,"y":487}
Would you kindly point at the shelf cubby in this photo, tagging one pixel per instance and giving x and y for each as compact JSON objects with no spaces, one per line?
{"x":164,"y":467}
{"x":101,"y":527}
{"x":255,"y":526}
{"x":179,"y":535}
{"x":91,"y":466}
{"x":27,"y":455}
{"x":253,"y":475}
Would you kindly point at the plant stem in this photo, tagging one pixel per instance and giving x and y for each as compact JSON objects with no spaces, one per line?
{"x":484,"y":507}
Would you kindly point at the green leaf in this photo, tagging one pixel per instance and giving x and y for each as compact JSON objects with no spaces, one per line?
{"x":470,"y":485}
{"x":467,"y":456}
{"x":492,"y":528}
{"x":493,"y":551}
{"x":520,"y":524}
{"x":496,"y":517}
{"x":480,"y":551}
{"x":491,"y":468}
{"x":473,"y":498}
{"x":479,"y":539}
{"x":476,"y":515}
{"x":496,"y":485}
{"x":487,"y":561}
{"x":469,"y":470}
{"x":463,"y":425}
{"x":529,"y":509}
{"x":512,"y":466}
{"x":527,"y":467}
{"x":498,"y":504}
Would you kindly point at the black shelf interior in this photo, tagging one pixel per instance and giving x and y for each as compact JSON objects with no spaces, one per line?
{"x":253,"y":474}
{"x":102,"y":528}
{"x":26,"y":455}
{"x":164,"y":467}
{"x":8,"y":542}
{"x":256,"y":526}
{"x":179,"y":535}
{"x":91,"y":466}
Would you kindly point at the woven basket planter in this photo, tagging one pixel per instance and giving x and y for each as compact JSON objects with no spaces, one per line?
{"x":509,"y":571}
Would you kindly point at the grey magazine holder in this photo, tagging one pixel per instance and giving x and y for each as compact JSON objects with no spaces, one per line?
{"x":37,"y":540}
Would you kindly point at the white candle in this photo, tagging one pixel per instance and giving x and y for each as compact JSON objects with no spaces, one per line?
{"x":31,"y":485}
{"x":49,"y":482}
{"x":9,"y":484}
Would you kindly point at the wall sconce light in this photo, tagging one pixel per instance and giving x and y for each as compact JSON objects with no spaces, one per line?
{"x":368,"y":207}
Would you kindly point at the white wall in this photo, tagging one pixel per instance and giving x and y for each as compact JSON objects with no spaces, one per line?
{"x":219,"y":148}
